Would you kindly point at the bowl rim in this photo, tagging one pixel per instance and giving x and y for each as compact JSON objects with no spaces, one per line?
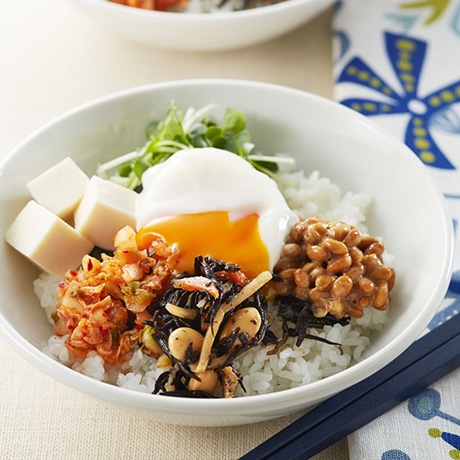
{"x":252,"y":404}
{"x":263,"y":11}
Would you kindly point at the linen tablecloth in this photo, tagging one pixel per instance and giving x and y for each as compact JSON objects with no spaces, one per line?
{"x":398,"y":62}
{"x":53,"y":58}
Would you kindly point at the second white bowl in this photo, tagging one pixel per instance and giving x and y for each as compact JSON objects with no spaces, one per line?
{"x":203,"y":32}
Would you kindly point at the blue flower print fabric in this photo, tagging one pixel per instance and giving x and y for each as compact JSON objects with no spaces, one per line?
{"x":398,"y":62}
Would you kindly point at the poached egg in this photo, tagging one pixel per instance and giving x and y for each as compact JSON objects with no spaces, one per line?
{"x":212,"y":202}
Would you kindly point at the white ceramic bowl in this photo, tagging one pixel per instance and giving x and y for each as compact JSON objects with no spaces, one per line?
{"x":321,"y":134}
{"x":204,"y":32}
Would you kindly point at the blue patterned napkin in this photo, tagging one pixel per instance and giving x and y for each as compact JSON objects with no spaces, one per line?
{"x":398,"y":62}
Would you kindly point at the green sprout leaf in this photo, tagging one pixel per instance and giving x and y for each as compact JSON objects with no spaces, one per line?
{"x":176,"y":131}
{"x":234,"y":121}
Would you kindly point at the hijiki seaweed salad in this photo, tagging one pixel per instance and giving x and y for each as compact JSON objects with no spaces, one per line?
{"x":199,"y":267}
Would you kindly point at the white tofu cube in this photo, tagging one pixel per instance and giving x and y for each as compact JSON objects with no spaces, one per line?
{"x":60,"y":188}
{"x":105,"y":209}
{"x":47,"y":240}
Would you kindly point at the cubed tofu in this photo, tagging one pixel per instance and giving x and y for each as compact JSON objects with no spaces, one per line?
{"x":105,"y":209}
{"x":47,"y":240}
{"x":60,"y":188}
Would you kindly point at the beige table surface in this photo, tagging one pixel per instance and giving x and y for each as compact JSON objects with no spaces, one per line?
{"x":53,"y":58}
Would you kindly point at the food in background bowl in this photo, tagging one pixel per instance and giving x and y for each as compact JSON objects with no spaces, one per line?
{"x":321,"y":136}
{"x":204,"y":6}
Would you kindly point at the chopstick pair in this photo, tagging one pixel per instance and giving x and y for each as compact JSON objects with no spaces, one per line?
{"x":430,"y":358}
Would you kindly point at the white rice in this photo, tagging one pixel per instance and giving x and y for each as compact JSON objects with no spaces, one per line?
{"x":261,"y":373}
{"x":318,"y":196}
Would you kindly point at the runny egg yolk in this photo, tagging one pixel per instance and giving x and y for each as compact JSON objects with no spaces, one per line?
{"x":211,"y":234}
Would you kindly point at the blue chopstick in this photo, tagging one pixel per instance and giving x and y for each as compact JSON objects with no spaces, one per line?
{"x":431,"y":357}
